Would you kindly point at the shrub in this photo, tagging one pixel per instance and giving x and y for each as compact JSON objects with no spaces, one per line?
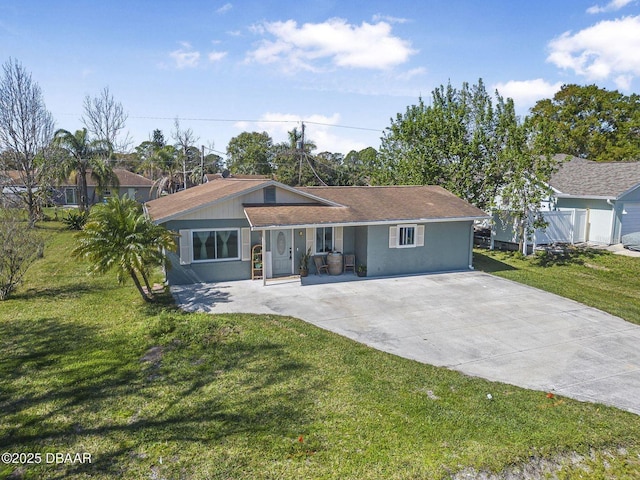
{"x":75,"y":219}
{"x":20,"y":246}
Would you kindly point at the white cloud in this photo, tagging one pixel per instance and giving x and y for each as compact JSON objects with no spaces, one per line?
{"x":526,"y":93}
{"x":318,"y":129}
{"x":388,"y":18}
{"x":225,"y":8}
{"x":612,"y":6}
{"x":409,"y":74}
{"x":185,"y":57}
{"x":216,"y":56}
{"x":608,"y":48}
{"x":370,"y":46}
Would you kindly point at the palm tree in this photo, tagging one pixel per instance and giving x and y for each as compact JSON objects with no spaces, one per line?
{"x":118,"y":236}
{"x":84,"y":155}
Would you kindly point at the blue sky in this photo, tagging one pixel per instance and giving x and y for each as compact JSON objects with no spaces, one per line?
{"x":345,"y":68}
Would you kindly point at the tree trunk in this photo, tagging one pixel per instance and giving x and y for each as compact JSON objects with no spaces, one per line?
{"x":83,"y":204}
{"x":138,"y":285}
{"x":146,"y":282}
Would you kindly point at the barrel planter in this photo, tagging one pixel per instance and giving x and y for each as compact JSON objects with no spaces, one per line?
{"x":334,"y":261}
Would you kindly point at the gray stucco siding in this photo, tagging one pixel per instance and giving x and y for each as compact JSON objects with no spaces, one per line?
{"x":447,"y":247}
{"x":214,"y":271}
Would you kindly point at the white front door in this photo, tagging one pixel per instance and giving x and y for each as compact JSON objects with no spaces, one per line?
{"x":281,"y":254}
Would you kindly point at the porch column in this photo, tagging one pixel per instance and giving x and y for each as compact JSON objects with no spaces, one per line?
{"x":263,"y":236}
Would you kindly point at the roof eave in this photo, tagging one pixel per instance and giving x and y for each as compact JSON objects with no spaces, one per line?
{"x":366,"y":223}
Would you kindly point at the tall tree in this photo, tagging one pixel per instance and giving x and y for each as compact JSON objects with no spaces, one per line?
{"x":188,"y":152}
{"x":250,"y":153}
{"x":83,"y":155}
{"x":592,"y":122}
{"x":105,"y":118}
{"x":117,"y":236}
{"x":451,"y":142}
{"x":26,"y":129}
{"x":526,"y":165}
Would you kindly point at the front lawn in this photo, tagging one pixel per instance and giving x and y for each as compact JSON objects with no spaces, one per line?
{"x":596,"y":278}
{"x":151,"y":392}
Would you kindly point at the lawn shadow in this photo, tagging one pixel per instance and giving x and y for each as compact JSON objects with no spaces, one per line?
{"x":76,"y":372}
{"x":72,"y":290}
{"x":568,"y":255}
{"x":487,"y":264}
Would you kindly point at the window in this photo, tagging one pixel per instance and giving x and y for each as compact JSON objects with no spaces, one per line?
{"x":70,"y":196}
{"x":211,"y":245}
{"x":324,"y":239}
{"x":270,"y":195}
{"x":407,"y":236}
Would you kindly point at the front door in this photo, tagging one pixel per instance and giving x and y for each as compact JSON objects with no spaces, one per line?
{"x":281,"y":252}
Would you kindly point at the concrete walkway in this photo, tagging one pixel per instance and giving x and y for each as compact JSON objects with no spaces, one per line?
{"x":472,"y":322}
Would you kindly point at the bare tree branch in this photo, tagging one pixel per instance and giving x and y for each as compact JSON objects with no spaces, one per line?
{"x":26,"y":129}
{"x":105,"y":119}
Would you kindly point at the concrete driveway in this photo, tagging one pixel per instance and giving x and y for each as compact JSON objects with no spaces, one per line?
{"x":472,"y":322}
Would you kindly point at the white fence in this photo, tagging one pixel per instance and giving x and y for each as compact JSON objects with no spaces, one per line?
{"x":568,"y":226}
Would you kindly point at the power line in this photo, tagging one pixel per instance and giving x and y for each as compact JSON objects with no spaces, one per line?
{"x":236,"y":120}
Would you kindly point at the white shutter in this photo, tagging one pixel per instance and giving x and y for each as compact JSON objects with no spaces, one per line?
{"x":393,"y":233}
{"x":246,"y":244}
{"x":311,"y":237}
{"x":185,"y":247}
{"x":337,"y":241}
{"x":420,"y":236}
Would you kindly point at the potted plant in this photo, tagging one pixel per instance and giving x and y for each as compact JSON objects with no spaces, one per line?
{"x":362,"y":270}
{"x":304,"y":263}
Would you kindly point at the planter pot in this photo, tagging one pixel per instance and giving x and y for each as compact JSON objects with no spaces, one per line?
{"x":304,"y":273}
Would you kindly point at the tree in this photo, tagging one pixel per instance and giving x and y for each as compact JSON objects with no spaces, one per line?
{"x":452,"y":142}
{"x":357,"y":166}
{"x":26,"y":129}
{"x":592,"y":122}
{"x":105,"y":118}
{"x":20,"y":246}
{"x":117,"y":236}
{"x":188,"y":153}
{"x":527,"y":165}
{"x":250,"y":153}
{"x":82,"y":155}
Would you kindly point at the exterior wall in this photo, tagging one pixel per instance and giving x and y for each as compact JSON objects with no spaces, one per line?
{"x":348,"y":239}
{"x":447,"y":247}
{"x":361,"y":244}
{"x":209,"y":271}
{"x":599,"y":217}
{"x":626,"y":213}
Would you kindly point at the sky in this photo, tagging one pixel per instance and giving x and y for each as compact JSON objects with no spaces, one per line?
{"x":344,"y":68}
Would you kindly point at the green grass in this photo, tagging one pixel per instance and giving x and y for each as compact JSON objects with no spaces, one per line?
{"x":594,"y":277}
{"x":151,"y":392}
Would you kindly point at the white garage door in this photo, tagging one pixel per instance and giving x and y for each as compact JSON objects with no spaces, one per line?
{"x":631,"y":219}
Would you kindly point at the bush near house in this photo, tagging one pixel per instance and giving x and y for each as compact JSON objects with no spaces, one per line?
{"x":86,"y":366}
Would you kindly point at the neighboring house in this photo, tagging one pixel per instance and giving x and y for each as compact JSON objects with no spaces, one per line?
{"x":209,"y":177}
{"x":134,"y":185}
{"x":11,"y":186}
{"x":392,"y":230}
{"x":595,"y":202}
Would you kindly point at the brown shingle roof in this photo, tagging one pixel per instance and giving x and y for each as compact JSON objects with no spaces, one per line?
{"x":586,"y":178}
{"x":367,"y":205}
{"x":195,"y":198}
{"x":125,"y":179}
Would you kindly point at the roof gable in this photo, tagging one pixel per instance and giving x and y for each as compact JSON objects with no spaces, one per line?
{"x":578,"y":177}
{"x":208,"y":194}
